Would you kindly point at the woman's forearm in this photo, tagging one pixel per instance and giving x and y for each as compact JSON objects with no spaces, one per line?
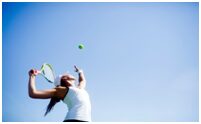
{"x":81,"y":76}
{"x":32,"y":87}
{"x":82,"y":80}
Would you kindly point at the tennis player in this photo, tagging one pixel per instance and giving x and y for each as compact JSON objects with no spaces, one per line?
{"x":75,"y":97}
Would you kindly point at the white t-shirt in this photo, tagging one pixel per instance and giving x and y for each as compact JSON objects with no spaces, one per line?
{"x":78,"y":103}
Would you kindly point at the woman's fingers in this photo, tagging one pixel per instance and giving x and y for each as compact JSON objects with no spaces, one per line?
{"x":76,"y":69}
{"x":33,"y":72}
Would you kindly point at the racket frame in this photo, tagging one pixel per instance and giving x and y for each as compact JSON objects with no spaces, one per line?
{"x":41,"y":72}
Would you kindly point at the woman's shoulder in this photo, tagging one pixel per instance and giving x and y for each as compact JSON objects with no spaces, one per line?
{"x":61,"y":91}
{"x":61,"y":88}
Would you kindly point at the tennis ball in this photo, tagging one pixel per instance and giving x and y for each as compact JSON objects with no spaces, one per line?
{"x":80,"y":46}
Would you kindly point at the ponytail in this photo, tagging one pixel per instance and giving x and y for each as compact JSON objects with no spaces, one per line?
{"x":54,"y":100}
{"x":51,"y":104}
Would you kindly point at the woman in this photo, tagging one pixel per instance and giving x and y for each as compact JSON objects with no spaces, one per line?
{"x":76,"y":98}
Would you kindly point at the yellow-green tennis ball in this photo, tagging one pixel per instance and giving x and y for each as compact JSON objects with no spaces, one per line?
{"x":80,"y":46}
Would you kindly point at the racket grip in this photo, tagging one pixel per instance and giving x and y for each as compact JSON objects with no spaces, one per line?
{"x":35,"y":72}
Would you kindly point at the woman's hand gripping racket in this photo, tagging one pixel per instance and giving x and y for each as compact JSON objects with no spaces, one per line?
{"x":47,"y":72}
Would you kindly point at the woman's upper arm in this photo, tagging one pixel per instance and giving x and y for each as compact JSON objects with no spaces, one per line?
{"x":44,"y":94}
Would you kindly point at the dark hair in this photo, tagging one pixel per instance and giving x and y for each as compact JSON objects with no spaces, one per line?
{"x":54,"y":100}
{"x":51,"y":104}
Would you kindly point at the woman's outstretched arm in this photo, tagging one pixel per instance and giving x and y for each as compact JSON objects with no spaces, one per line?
{"x":82,"y":80}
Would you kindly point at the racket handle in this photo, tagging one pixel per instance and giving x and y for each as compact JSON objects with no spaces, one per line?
{"x":35,"y":72}
{"x":32,"y":71}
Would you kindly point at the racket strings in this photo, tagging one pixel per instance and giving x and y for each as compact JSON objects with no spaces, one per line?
{"x":48,"y":72}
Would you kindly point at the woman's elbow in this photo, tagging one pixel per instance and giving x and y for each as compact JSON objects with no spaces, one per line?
{"x":32,"y":95}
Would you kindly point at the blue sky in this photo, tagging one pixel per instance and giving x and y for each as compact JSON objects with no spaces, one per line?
{"x":140,"y":59}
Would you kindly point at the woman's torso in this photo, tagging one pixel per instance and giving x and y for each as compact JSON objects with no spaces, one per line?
{"x":78,"y":103}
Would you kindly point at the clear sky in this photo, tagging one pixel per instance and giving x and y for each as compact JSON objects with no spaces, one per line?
{"x":140,"y":59}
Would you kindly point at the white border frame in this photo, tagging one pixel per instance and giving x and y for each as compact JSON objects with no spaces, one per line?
{"x":95,"y":1}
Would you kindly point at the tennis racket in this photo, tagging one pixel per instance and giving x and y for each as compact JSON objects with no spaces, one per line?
{"x":47,"y":72}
